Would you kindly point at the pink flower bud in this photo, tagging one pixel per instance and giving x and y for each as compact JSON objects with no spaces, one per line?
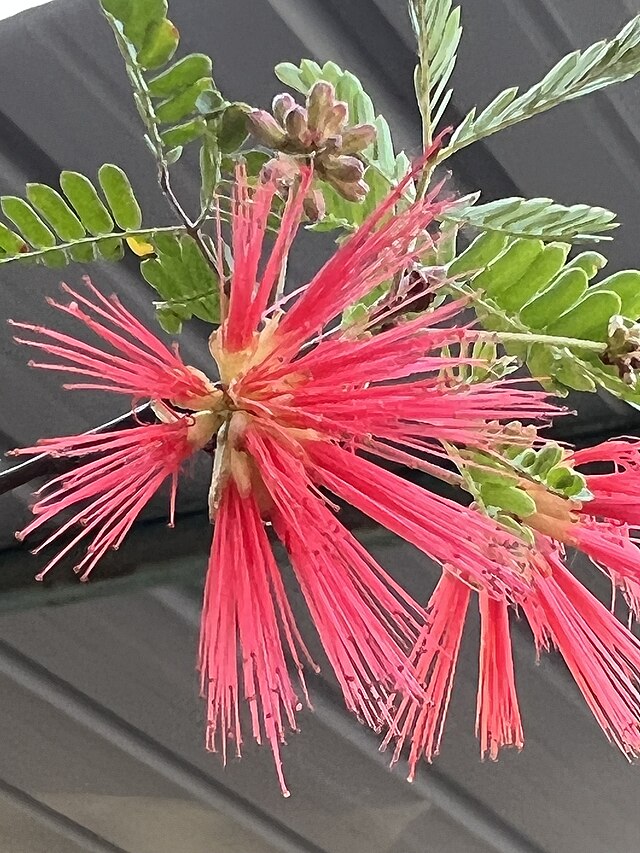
{"x":314,"y":206}
{"x":348,"y":169}
{"x":296,"y":126}
{"x":356,"y":139}
{"x":282,"y":169}
{"x":351,"y":191}
{"x":336,"y":120}
{"x":281,"y":105}
{"x":319,"y":105}
{"x":265,"y":128}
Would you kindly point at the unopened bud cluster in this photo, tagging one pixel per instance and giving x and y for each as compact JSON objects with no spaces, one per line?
{"x":320,"y":132}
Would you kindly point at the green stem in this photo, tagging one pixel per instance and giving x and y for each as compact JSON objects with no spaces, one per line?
{"x":141,"y":90}
{"x":550,"y":340}
{"x":423,"y":90}
{"x":415,"y":464}
{"x":119,"y":235}
{"x":476,"y":298}
{"x":192,"y":228}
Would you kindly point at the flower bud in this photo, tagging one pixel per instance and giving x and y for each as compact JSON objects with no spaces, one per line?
{"x":282,"y":169}
{"x":263,"y":125}
{"x":297,"y":128}
{"x":314,"y":206}
{"x":320,"y":102}
{"x":335,"y":121}
{"x":281,"y":105}
{"x":320,"y":134}
{"x":347,"y":169}
{"x":356,"y":139}
{"x":623,"y":349}
{"x":350,"y":191}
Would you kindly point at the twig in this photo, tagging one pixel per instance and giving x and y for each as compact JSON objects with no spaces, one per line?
{"x":192,"y":228}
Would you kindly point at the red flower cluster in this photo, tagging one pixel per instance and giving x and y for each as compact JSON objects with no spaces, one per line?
{"x":292,"y":413}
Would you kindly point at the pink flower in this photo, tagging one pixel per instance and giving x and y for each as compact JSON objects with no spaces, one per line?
{"x":601,"y":654}
{"x":107,"y":493}
{"x":294,"y":407}
{"x":420,"y":721}
{"x":616,"y":502}
{"x":139,"y":366}
{"x":498,"y":721}
{"x":245,"y":598}
{"x":616,"y":490}
{"x":435,"y":657}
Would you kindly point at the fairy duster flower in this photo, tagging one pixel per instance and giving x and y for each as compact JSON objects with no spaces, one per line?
{"x":291,"y":409}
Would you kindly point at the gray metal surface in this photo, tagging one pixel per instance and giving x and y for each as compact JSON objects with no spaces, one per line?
{"x":102,"y":725}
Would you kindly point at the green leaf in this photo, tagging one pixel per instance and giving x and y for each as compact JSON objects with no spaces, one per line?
{"x":560,"y":478}
{"x":310,"y":72}
{"x":147,"y":40}
{"x":545,"y":267}
{"x":202,"y":281}
{"x":160,"y":43}
{"x":136,"y":16}
{"x":589,"y":319}
{"x":447,"y":244}
{"x":527,"y":290}
{"x":548,"y":467}
{"x":52,"y":207}
{"x":154,"y":273}
{"x":626,"y":285}
{"x":184,"y":103}
{"x":508,"y":498}
{"x":479,"y":255}
{"x":110,"y":249}
{"x":210,"y":169}
{"x":180,"y":76}
{"x":87,"y":203}
{"x":578,"y":74}
{"x":563,"y":293}
{"x":546,"y":459}
{"x":27,"y":222}
{"x":184,"y":133}
{"x":254,"y":162}
{"x":172,"y":155}
{"x":232,"y":128}
{"x":84,"y":252}
{"x":508,"y":267}
{"x":120,"y":197}
{"x":118,"y":8}
{"x":210,"y":102}
{"x":571,"y":373}
{"x":590,"y":262}
{"x":539,"y":218}
{"x":11,"y":244}
{"x":184,"y":280}
{"x":291,"y":76}
{"x":169,"y":320}
{"x":56,"y":235}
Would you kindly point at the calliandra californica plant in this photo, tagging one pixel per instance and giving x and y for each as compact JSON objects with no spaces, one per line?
{"x":396,"y":353}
